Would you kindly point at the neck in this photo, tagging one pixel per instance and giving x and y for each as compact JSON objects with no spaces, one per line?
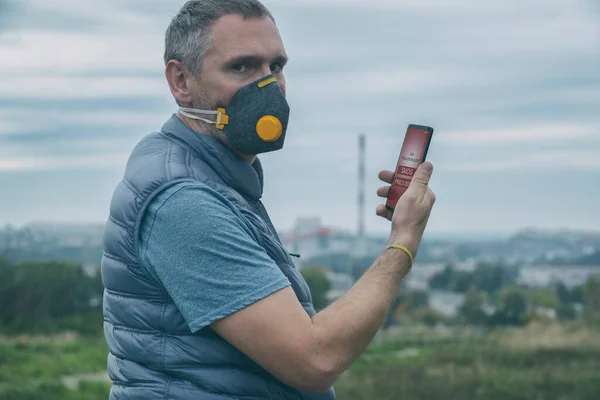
{"x":249,"y":159}
{"x":198,"y":127}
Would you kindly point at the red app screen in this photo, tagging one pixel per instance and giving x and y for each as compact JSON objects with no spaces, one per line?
{"x":413,"y":153}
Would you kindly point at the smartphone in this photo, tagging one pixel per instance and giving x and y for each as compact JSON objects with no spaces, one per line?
{"x":413,"y":153}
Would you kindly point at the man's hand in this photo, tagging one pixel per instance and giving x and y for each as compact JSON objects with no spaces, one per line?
{"x":412,"y":210}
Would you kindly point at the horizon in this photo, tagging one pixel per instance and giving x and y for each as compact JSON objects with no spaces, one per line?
{"x":458,"y":234}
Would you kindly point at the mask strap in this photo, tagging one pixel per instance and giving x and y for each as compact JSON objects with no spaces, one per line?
{"x":186,"y":112}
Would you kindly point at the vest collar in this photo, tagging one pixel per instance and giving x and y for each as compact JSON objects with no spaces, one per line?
{"x":244,"y":178}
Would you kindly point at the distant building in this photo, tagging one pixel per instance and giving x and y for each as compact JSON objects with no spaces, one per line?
{"x":311,"y":239}
{"x":340,"y":283}
{"x":542,"y":312}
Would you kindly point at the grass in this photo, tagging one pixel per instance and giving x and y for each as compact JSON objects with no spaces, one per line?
{"x":552,"y":336}
{"x":542,"y":361}
{"x":539,"y":362}
{"x":33,"y":368}
{"x":56,"y":391}
{"x":41,"y":359}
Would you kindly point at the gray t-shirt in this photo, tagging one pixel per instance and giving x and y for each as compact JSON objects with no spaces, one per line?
{"x":197,"y":244}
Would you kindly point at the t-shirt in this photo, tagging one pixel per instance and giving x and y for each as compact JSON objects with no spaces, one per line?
{"x":197,"y":244}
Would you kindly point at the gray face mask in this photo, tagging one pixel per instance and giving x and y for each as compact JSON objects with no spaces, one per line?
{"x":256,"y":119}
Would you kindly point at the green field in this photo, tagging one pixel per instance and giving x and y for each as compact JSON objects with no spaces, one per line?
{"x":542,"y":361}
{"x":43,"y":368}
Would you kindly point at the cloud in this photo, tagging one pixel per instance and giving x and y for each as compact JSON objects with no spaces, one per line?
{"x":567,"y":132}
{"x":378,"y":81}
{"x":7,"y":127}
{"x":547,"y":161}
{"x":45,"y":52}
{"x":57,"y":141}
{"x":455,"y":29}
{"x":64,"y":87}
{"x":103,"y":117}
{"x":15,"y":164}
{"x":48,"y":59}
{"x":460,"y":8}
{"x":50,"y":163}
{"x":103,"y":14}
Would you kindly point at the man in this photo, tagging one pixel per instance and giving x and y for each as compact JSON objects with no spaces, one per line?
{"x":202,"y":300}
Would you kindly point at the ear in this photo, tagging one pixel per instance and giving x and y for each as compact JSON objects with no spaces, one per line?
{"x":177,"y":77}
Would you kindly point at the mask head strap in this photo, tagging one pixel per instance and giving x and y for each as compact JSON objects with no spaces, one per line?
{"x":222,"y":117}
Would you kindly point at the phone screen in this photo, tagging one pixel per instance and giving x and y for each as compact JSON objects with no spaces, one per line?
{"x":413,"y":153}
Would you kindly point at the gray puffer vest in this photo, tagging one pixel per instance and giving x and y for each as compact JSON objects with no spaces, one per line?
{"x":152,"y":352}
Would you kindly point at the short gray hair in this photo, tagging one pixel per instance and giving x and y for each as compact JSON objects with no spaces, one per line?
{"x":188,"y":36}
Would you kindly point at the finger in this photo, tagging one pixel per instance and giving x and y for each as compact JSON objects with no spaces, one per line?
{"x":386,"y":176}
{"x":383,"y":212}
{"x":383,"y":191}
{"x":420,"y":179}
{"x":431,"y":196}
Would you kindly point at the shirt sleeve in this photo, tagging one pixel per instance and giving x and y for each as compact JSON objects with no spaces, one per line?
{"x":197,"y":244}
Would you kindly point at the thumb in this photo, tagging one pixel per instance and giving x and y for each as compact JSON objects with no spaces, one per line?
{"x":421,"y":177}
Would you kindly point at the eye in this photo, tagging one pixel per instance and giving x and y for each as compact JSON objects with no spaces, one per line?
{"x":239,"y":68}
{"x":276,"y":68}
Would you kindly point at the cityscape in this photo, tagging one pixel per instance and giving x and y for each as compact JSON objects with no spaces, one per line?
{"x":542,"y":257}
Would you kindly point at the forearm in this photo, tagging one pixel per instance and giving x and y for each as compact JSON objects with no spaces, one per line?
{"x":342,"y":331}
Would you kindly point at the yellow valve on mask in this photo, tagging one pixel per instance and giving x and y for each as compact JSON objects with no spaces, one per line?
{"x":269,"y":128}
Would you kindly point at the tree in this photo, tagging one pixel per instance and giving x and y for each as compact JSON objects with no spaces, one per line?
{"x":418,"y":299}
{"x":566,"y":295}
{"x":443,"y":279}
{"x":566,"y":312}
{"x":319,"y":284}
{"x":48,"y":296}
{"x":406,"y":301}
{"x":485,"y":277}
{"x":472,"y":307}
{"x":590,"y":259}
{"x":544,"y":297}
{"x":491,"y":278}
{"x":591,"y":296}
{"x":463,"y":281}
{"x":431,"y":317}
{"x":512,"y":306}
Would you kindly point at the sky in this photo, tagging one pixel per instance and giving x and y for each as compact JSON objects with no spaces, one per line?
{"x":512,"y":89}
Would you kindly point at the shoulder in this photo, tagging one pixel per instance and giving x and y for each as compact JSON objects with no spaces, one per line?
{"x":191,"y":197}
{"x":191,"y":210}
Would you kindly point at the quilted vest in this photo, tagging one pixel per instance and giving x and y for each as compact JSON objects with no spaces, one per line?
{"x":152,"y":352}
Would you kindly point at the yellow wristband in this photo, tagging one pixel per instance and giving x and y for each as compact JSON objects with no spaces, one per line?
{"x":408,"y":253}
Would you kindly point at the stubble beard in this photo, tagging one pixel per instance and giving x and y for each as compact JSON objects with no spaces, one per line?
{"x":205,"y":103}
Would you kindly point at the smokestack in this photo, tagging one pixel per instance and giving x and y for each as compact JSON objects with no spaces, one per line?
{"x":358,"y":251}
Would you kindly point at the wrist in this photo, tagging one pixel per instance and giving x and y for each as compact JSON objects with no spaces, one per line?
{"x":406,"y":241}
{"x":403,"y":257}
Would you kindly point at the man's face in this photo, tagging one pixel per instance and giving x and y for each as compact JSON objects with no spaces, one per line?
{"x":242,"y":51}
